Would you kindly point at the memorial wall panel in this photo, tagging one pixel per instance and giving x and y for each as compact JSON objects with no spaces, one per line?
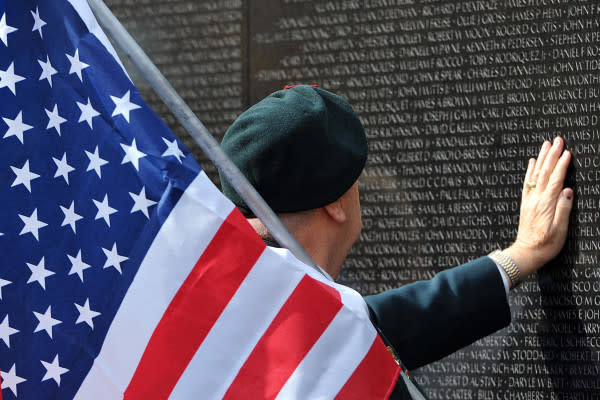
{"x":455,"y":97}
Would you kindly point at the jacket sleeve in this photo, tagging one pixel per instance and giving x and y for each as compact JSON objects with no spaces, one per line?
{"x":428,"y":320}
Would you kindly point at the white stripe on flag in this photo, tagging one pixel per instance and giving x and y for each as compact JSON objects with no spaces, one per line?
{"x":350,"y":297}
{"x":335,"y":355}
{"x":185,"y":234}
{"x":340,"y":349}
{"x":239,"y":328}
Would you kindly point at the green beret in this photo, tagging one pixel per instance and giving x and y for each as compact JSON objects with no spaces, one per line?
{"x":301,"y":148}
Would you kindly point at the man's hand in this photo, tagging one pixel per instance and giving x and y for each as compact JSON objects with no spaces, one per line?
{"x":545,"y":209}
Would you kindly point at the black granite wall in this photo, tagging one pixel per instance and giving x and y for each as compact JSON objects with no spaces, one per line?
{"x":455,"y":97}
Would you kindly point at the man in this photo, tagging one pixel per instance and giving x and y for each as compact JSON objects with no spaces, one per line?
{"x":304,"y":148}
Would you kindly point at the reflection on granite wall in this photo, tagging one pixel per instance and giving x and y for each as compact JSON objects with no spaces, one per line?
{"x":455,"y":97}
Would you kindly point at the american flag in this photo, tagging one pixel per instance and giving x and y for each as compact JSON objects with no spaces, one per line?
{"x":124,"y":272}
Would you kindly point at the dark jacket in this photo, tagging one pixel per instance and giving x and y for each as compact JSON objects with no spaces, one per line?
{"x":427,"y":320}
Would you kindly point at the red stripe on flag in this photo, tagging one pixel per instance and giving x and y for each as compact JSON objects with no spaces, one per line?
{"x":201,"y":299}
{"x":375,"y":376}
{"x":301,"y":321}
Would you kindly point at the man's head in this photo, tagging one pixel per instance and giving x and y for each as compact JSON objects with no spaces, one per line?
{"x":302,"y":149}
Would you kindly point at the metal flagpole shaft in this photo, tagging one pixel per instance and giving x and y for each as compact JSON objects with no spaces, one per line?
{"x":195,"y":128}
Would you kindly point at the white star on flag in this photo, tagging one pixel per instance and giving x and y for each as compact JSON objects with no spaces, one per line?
{"x":62,"y":168}
{"x":3,"y":283}
{"x":172,"y":149}
{"x":24,"y":176}
{"x":141,"y":203}
{"x":39,"y":273}
{"x":47,"y":70}
{"x":113,"y":259}
{"x":104,"y":210}
{"x":53,"y":370}
{"x":32,"y":224}
{"x":55,"y":120}
{"x":132,"y":155}
{"x":77,"y":265}
{"x":87,"y":112}
{"x":16,"y":127}
{"x":76,"y":65}
{"x":46,"y":322}
{"x":123,"y":105}
{"x":70,"y":216}
{"x":6,"y":331}
{"x":9,"y":79}
{"x":95,"y":162}
{"x":11,"y":380}
{"x":5,"y":30}
{"x":86,"y":314}
{"x":38,"y":23}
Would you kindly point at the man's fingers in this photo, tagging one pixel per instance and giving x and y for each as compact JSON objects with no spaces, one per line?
{"x":563,"y":210}
{"x":550,"y":163}
{"x":528,"y":177}
{"x":540,"y":160}
{"x":557,"y":179}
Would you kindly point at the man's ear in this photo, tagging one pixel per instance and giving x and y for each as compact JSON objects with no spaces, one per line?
{"x":336,"y":211}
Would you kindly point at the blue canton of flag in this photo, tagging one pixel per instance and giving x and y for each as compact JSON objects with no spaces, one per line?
{"x":88,"y":173}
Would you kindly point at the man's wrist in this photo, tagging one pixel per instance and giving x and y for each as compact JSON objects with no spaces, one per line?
{"x":526,"y":260}
{"x":508,"y":266}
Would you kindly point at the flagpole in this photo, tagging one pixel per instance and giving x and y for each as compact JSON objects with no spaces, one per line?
{"x":199,"y":132}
